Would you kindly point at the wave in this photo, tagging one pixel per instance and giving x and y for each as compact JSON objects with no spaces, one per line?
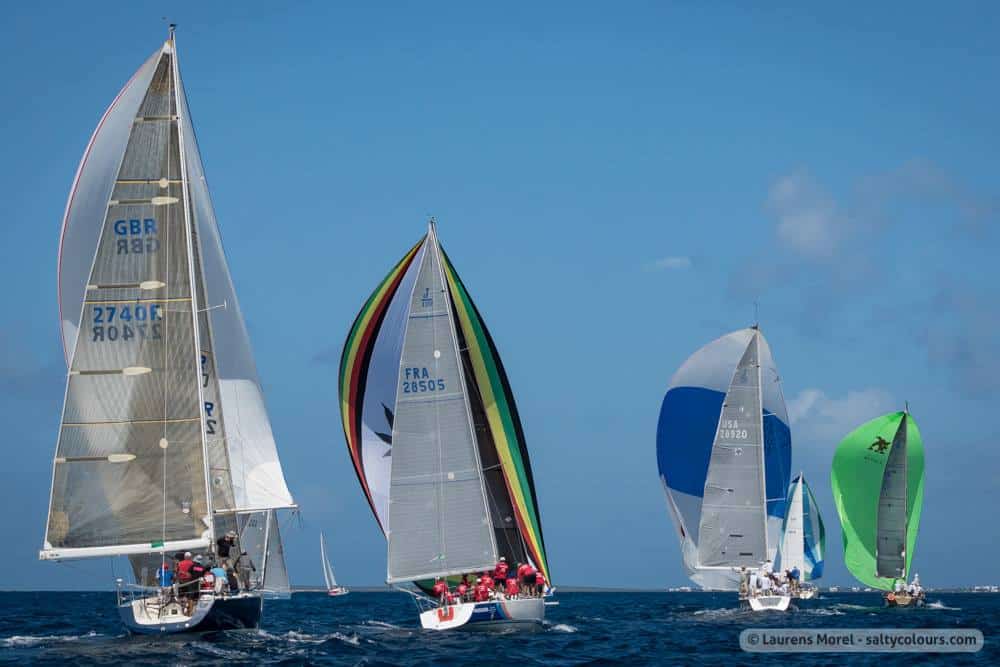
{"x":23,"y":641}
{"x":295,"y":637}
{"x":563,"y":627}
{"x":937,"y":604}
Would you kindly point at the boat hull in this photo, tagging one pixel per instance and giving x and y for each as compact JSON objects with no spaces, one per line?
{"x":806,"y":593}
{"x":769,"y":602}
{"x":337,"y":592}
{"x":526,"y":612}
{"x":145,"y":616}
{"x":903,"y":600}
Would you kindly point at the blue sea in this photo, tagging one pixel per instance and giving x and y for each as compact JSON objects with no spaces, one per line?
{"x":382,"y":629}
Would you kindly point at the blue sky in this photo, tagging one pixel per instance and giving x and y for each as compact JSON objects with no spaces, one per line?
{"x":616,"y":185}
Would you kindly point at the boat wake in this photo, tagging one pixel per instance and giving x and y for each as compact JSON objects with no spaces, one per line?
{"x":295,"y":637}
{"x":562,"y":627}
{"x":23,"y":641}
{"x":937,"y":604}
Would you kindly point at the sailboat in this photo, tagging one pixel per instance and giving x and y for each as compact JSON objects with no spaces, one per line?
{"x":803,"y":538}
{"x":724,"y":455}
{"x":435,"y":437}
{"x":165,"y":446}
{"x":332,"y":588}
{"x":878,"y":486}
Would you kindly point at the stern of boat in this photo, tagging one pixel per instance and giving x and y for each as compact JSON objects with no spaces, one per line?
{"x":500,"y":613}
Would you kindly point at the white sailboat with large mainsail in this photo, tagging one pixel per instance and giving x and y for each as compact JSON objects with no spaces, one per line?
{"x":724,"y":452}
{"x":435,"y":436}
{"x":165,"y":445}
{"x":333,"y":589}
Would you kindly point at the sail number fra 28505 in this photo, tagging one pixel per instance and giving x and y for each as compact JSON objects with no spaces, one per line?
{"x":419,"y":380}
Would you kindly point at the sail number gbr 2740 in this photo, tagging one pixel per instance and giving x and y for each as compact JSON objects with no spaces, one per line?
{"x":126,"y":321}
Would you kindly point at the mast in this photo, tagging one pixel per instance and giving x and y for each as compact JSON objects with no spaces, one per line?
{"x":760,"y":418}
{"x":195,"y":309}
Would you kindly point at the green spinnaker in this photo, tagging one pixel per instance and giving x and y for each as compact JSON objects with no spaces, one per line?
{"x":856,"y":479}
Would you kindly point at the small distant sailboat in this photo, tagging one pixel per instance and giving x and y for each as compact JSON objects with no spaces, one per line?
{"x":332,"y":589}
{"x":803,"y":538}
{"x":165,"y":444}
{"x":724,"y":456}
{"x":878,"y":486}
{"x":436,"y":440}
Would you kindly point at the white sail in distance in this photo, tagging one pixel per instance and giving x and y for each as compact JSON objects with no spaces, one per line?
{"x":328,"y":578}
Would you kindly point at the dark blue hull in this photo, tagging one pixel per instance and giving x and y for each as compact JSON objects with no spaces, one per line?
{"x":210,"y":615}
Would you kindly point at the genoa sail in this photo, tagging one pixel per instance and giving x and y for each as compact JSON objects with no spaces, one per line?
{"x":878,"y":487}
{"x":381,"y":421}
{"x":724,"y":457}
{"x":803,"y":537}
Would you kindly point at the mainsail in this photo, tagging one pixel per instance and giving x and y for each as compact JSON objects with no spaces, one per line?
{"x":878,"y":486}
{"x":724,"y":457}
{"x":803,"y":537}
{"x":164,"y":436}
{"x":432,"y":427}
{"x":328,"y":578}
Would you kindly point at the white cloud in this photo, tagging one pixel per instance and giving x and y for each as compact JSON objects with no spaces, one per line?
{"x":822,"y":419}
{"x":674,"y":263}
{"x":808,"y":221}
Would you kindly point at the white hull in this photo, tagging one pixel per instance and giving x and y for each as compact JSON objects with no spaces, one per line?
{"x":337,"y":592}
{"x":806,"y":593}
{"x":769,"y":602}
{"x":491,"y":614}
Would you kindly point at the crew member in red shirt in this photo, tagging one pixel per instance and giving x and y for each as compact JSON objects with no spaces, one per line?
{"x":500,"y":572}
{"x":540,"y":582}
{"x":482,"y":593}
{"x":440,"y":590}
{"x":487,"y":580}
{"x":512,"y":589}
{"x":521,"y":567}
{"x":185,"y":586}
{"x":530,"y":576}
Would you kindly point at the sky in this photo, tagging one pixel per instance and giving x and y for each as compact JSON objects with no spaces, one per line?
{"x":616,"y":183}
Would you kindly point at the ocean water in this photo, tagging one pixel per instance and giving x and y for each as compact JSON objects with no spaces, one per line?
{"x":382,"y":629}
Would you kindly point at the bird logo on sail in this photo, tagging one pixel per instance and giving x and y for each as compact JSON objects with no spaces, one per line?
{"x":879,"y":446}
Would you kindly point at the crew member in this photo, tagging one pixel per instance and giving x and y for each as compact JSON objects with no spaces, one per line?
{"x":440,"y":591}
{"x":500,"y":572}
{"x":512,"y":588}
{"x":482,"y":593}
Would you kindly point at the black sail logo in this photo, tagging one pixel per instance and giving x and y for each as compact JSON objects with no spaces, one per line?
{"x":879,"y":446}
